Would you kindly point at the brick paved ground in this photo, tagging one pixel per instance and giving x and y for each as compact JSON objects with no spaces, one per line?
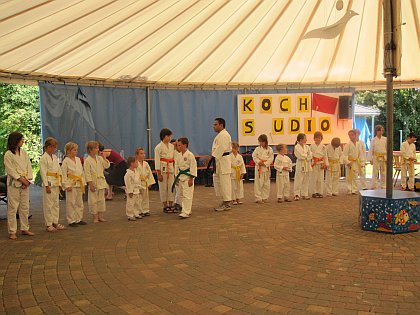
{"x":299,"y":258}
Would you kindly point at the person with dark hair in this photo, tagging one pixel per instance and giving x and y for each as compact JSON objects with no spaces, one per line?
{"x":351,"y":157}
{"x":319,"y":165}
{"x":115,"y":173}
{"x":164,"y":165}
{"x":263,"y":156}
{"x":408,"y":157}
{"x":362,"y":148}
{"x":185,"y":174}
{"x":132,"y":189}
{"x":283,"y":166}
{"x":146,"y":181}
{"x":19,"y":173}
{"x":177,"y":195}
{"x":222,"y":144}
{"x":377,"y":157}
{"x":335,"y":159}
{"x":303,"y":167}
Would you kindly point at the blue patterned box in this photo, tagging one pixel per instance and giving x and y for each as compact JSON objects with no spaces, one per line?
{"x":399,"y":214}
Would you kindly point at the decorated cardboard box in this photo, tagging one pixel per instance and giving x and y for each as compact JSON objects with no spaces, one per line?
{"x":399,"y":214}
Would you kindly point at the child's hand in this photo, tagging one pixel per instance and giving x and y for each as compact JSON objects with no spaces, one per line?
{"x":260,"y":163}
{"x":92,"y":187}
{"x":150,"y":186}
{"x":130,"y":195}
{"x":190,"y":182}
{"x":160,"y":177}
{"x":69,"y":189}
{"x":48,"y":189}
{"x":285,"y":168}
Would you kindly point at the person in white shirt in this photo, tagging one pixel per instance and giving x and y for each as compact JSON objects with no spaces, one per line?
{"x":185,"y":173}
{"x":303,"y":167}
{"x":51,"y":177}
{"x":164,"y":166}
{"x":94,"y":167}
{"x":362,"y":148}
{"x":238,"y":172}
{"x":335,"y":159}
{"x":377,"y":157}
{"x":19,"y":173}
{"x":222,"y":167}
{"x":146,"y":181}
{"x":132,"y":189}
{"x":408,"y":158}
{"x":319,"y":165}
{"x":283,"y":166}
{"x":263,"y":156}
{"x":74,"y":185}
{"x":351,"y":158}
{"x":177,"y":197}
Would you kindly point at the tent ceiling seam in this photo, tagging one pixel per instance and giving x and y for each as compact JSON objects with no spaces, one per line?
{"x":24,"y":11}
{"x":358,"y":40}
{"x":416,"y":21}
{"x":378,"y":39}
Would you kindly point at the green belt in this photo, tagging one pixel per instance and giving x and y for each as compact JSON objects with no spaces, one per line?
{"x":181,"y":172}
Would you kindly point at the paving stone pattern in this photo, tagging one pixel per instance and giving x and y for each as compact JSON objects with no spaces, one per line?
{"x":305,"y":257}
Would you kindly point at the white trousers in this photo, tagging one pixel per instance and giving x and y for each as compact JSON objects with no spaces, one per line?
{"x":17,"y":202}
{"x":223,"y":186}
{"x":187,"y":194}
{"x":50,"y":205}
{"x":283,"y":186}
{"x":178,"y":198}
{"x":144,"y":201}
{"x":96,"y":201}
{"x":351,"y":177}
{"x":332,"y":179}
{"x":317,"y":179}
{"x":379,"y":173}
{"x":165,"y":187}
{"x":261,"y":185}
{"x":237,"y":189}
{"x":405,"y":167}
{"x":301,"y":184}
{"x":132,"y":206}
{"x":74,"y":205}
{"x":362,"y":177}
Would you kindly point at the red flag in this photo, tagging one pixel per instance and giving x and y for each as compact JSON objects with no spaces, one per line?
{"x":323,"y":103}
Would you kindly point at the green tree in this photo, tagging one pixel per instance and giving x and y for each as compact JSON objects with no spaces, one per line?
{"x":406,"y":110}
{"x":19,"y":111}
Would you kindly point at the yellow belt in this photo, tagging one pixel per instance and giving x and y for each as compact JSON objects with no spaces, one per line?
{"x":143,"y":179}
{"x":56,"y":175}
{"x":79,"y":179}
{"x":351,"y":168}
{"x":410,"y":162}
{"x":332,"y":161}
{"x":237,"y":170}
{"x":381,"y":158}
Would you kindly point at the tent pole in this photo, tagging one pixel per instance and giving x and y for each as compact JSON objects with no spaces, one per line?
{"x":149,"y":130}
{"x":390,"y":133}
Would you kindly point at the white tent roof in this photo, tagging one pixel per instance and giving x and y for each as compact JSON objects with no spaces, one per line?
{"x":360,"y":110}
{"x":299,"y":43}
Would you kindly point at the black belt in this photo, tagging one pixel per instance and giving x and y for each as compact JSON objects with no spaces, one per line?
{"x":213,"y":162}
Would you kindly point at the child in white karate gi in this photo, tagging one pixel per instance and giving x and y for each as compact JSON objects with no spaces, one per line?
{"x":263,"y":156}
{"x":283,"y":165}
{"x":238,"y":172}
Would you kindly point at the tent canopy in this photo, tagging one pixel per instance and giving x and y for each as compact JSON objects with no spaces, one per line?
{"x":204,"y":43}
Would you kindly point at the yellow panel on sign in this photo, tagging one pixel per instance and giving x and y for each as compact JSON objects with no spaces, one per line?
{"x":303,"y":104}
{"x":285,"y":104}
{"x":310,"y":125}
{"x":247,"y":105}
{"x":266,"y":105}
{"x":277,"y":126}
{"x":248,"y":128}
{"x":294,"y":125}
{"x":325,"y":124}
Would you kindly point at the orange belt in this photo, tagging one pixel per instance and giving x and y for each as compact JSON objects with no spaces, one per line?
{"x":167,"y":161}
{"x":316,"y":160}
{"x":259,"y":167}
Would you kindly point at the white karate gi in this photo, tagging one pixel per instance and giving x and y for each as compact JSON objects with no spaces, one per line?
{"x":146,"y":179}
{"x":132,"y":186}
{"x":262,"y":172}
{"x":351,"y":158}
{"x":74,"y":178}
{"x":238,"y":169}
{"x":407,"y":151}
{"x":94,"y":172}
{"x":362,"y":175}
{"x":377,"y":155}
{"x":303,"y":168}
{"x":164,"y":162}
{"x":319,"y":162}
{"x":51,"y":176}
{"x":222,"y":177}
{"x":282,"y":175}
{"x":177,"y":197}
{"x":335,"y":159}
{"x":186,"y":161}
{"x":17,"y":166}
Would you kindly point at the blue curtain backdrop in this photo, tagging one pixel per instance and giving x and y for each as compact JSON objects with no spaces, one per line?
{"x":115,"y":117}
{"x":118,"y":116}
{"x":365,"y":134}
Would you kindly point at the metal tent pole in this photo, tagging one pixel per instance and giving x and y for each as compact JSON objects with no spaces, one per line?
{"x":149,"y":129}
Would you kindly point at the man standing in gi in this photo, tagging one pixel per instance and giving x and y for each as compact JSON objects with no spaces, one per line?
{"x":222,"y":164}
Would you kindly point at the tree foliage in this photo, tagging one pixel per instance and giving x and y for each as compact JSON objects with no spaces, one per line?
{"x":406,"y":110}
{"x":19,"y":111}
